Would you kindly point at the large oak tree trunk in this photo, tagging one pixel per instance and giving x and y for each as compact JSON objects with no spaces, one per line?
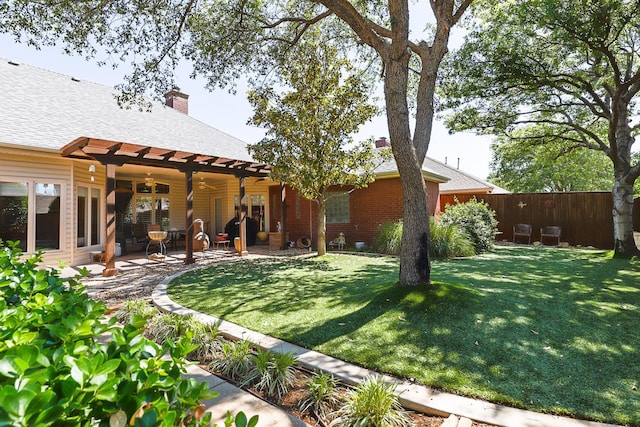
{"x":621,"y":141}
{"x":415,"y":268}
{"x":623,"y":218}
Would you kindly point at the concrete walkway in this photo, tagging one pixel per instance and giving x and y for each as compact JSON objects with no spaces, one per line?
{"x":412,"y":396}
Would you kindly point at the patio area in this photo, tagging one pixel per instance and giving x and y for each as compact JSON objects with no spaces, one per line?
{"x":138,"y":275}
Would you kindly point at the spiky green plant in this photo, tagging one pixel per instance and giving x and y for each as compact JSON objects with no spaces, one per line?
{"x":449,"y":241}
{"x":169,"y":326}
{"x":272,"y":373}
{"x":136,"y":307}
{"x":206,"y":336}
{"x":372,"y":403}
{"x":203,"y":336}
{"x":388,"y":239}
{"x":235,"y":360}
{"x":322,"y":398}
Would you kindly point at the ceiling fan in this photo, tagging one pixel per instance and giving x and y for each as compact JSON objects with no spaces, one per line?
{"x":150,"y":181}
{"x":202,"y":185}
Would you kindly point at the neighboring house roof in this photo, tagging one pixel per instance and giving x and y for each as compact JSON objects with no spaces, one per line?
{"x":460,"y":181}
{"x":44,"y":110}
{"x":389,"y":169}
{"x":451,"y":180}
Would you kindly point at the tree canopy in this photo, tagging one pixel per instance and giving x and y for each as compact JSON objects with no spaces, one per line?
{"x":570,"y":69}
{"x":310,"y":123}
{"x":522,"y":164}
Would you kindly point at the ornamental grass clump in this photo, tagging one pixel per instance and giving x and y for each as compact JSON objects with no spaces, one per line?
{"x":372,"y":403}
{"x":272,"y":373}
{"x":389,"y":238}
{"x":169,"y":326}
{"x":206,"y":336}
{"x":203,"y":336}
{"x":235,"y":360}
{"x":322,"y":397}
{"x":132,"y":308}
{"x":449,"y":241}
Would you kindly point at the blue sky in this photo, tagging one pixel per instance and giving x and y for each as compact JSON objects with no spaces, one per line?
{"x":230,"y":113}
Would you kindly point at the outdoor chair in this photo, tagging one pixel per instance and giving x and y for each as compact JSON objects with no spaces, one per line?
{"x":550,"y":231}
{"x":137,"y":232}
{"x":522,"y":230}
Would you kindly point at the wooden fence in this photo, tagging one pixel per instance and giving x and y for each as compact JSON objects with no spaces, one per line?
{"x":585,"y":217}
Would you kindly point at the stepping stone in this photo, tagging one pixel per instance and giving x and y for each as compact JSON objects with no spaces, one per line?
{"x":452,"y":421}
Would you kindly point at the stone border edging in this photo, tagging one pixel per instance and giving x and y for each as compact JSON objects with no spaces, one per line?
{"x":411,"y":396}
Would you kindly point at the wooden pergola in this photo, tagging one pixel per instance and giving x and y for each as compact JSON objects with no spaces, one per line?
{"x":112,"y":154}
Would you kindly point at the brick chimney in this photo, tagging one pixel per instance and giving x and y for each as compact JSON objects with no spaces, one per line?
{"x":383,"y":142}
{"x":177,"y":100}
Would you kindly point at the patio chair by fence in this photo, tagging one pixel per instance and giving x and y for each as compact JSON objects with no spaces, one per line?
{"x":522,"y":230}
{"x":550,"y":231}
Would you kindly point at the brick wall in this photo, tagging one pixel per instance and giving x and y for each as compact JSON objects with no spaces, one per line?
{"x":370,"y":207}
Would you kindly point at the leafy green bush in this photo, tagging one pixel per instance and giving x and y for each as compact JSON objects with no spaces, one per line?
{"x":322,"y":398}
{"x":371,"y":404}
{"x":132,"y":308}
{"x":272,"y":373}
{"x":389,"y":238}
{"x":449,"y":241}
{"x":54,"y":369}
{"x":477,"y":218}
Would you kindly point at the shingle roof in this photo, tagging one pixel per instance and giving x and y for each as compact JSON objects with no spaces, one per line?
{"x":389,"y":168}
{"x":461,"y":181}
{"x":451,"y":180}
{"x":47,"y":110}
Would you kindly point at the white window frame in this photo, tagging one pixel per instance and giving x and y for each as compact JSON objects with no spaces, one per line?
{"x":31,"y":210}
{"x":89,"y":216}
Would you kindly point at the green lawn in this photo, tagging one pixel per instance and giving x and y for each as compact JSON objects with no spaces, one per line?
{"x":554,"y":330}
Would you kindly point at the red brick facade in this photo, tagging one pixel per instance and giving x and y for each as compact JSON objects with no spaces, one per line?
{"x":379,"y":203}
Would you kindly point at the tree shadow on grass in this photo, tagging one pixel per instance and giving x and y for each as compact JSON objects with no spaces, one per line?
{"x":550,"y":329}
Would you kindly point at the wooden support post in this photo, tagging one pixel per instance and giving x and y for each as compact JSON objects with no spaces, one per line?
{"x":188,"y":239}
{"x":243,"y":219}
{"x":110,"y":244}
{"x":283,"y":226}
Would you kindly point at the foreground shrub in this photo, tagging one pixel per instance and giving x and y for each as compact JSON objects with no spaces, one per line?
{"x":322,"y":398}
{"x":448,"y":240}
{"x":272,"y":373}
{"x":371,"y":404}
{"x":477,"y":218}
{"x":54,"y":369}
